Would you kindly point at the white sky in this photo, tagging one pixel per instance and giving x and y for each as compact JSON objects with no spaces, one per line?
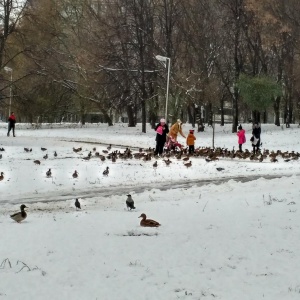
{"x":225,"y":235}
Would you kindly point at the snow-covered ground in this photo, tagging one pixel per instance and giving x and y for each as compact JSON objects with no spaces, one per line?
{"x":230,"y":234}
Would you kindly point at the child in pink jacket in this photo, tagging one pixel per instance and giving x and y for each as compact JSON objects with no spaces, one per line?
{"x":241,"y":137}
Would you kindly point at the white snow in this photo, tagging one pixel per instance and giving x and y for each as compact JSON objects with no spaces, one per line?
{"x":228,"y":235}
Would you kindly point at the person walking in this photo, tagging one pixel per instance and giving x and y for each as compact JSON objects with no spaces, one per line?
{"x":175,"y":129}
{"x":161,"y":136}
{"x":190,"y":141}
{"x":11,"y":124}
{"x":256,"y":131}
{"x":241,"y":137}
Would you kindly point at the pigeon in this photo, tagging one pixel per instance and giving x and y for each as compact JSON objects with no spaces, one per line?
{"x":106,"y":171}
{"x":37,"y":162}
{"x":220,"y":169}
{"x":45,"y":156}
{"x":155,"y":164}
{"x":77,"y":204}
{"x":75,"y":174}
{"x":43,"y":149}
{"x":55,"y":154}
{"x":130,"y":202}
{"x":48,"y":173}
{"x":27,"y":149}
{"x":1,"y":176}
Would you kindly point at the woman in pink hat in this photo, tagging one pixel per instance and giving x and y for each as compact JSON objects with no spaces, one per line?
{"x":161,"y":136}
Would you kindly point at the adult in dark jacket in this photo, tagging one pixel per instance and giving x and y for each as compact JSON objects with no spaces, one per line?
{"x":161,"y":136}
{"x":11,"y":123}
{"x":256,"y":131}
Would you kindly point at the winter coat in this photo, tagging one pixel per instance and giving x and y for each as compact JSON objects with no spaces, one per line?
{"x":161,"y":132}
{"x":256,"y":131}
{"x":241,"y":136}
{"x":12,"y":119}
{"x":175,"y":129}
{"x":190,"y":140}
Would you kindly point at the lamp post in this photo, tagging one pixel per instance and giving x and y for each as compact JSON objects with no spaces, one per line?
{"x":167,"y":62}
{"x":7,"y":69}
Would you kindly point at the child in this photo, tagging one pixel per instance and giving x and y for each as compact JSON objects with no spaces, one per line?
{"x":190,"y":141}
{"x":241,"y":137}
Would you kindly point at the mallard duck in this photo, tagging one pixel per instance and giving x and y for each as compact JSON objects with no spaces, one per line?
{"x":106,"y":171}
{"x":188,"y":164}
{"x":20,"y":216}
{"x":77,"y":204}
{"x":75,"y":174}
{"x":48,"y":173}
{"x":148,"y":222}
{"x":1,"y":176}
{"x":130,"y":202}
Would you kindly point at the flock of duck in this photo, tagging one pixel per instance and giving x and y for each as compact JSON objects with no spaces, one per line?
{"x":22,"y":214}
{"x":208,"y":153}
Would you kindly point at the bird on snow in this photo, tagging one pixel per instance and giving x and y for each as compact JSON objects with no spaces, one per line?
{"x":130,"y":202}
{"x":0,"y":156}
{"x":45,"y":156}
{"x":75,"y":174}
{"x":148,"y":222}
{"x":77,"y":204}
{"x":48,"y":173}
{"x":43,"y":149}
{"x":106,"y":171}
{"x":1,"y":176}
{"x":220,"y":169}
{"x":55,"y":154}
{"x":21,"y":215}
{"x":37,"y":162}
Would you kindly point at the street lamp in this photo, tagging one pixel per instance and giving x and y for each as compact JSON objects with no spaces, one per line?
{"x":165,"y":60}
{"x":7,"y":69}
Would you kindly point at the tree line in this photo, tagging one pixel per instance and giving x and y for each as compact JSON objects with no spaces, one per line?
{"x":71,"y":57}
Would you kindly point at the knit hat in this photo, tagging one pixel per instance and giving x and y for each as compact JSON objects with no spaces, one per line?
{"x":162,"y":120}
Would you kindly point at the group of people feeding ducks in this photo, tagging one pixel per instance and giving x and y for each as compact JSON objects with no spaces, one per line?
{"x":22,"y":215}
{"x":169,"y":137}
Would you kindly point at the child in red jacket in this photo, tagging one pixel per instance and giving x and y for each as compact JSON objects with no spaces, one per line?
{"x":241,"y":137}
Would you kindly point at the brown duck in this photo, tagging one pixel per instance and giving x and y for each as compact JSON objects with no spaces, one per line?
{"x":148,"y":222}
{"x":20,"y":216}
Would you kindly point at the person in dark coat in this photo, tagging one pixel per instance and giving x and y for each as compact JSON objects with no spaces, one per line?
{"x":161,"y":136}
{"x":256,"y":131}
{"x":11,"y":123}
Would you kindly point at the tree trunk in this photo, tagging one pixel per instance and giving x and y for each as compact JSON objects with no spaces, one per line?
{"x":130,"y":114}
{"x":191,"y":116}
{"x":276,"y":111}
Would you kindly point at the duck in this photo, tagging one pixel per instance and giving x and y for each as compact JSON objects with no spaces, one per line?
{"x":1,"y":176}
{"x":77,"y":204}
{"x":130,"y":202}
{"x":48,"y":173}
{"x":106,"y":171}
{"x":148,"y":222}
{"x":188,"y":164}
{"x":75,"y":174}
{"x":20,"y":216}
